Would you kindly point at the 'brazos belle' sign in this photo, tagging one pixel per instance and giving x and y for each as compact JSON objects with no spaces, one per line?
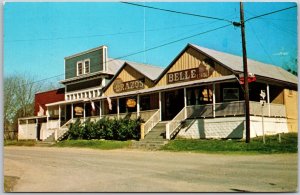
{"x":201,"y":72}
{"x":119,"y":86}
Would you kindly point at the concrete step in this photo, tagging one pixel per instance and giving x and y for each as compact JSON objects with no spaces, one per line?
{"x":50,"y":138}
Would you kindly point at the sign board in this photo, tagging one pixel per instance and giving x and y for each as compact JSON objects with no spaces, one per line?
{"x":131,"y":103}
{"x":78,"y":110}
{"x":119,"y":86}
{"x":202,"y":72}
{"x":262,"y":94}
{"x":251,"y":78}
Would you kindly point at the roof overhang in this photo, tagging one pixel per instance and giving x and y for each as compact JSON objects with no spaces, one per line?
{"x":98,"y":74}
{"x":228,"y":78}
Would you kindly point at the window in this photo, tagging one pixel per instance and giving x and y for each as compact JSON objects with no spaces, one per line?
{"x":83,"y":67}
{"x":79,"y":68}
{"x":86,"y":66}
{"x":230,"y":94}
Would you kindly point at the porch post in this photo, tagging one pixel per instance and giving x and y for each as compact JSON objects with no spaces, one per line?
{"x":100,"y":109}
{"x":138,"y":105}
{"x":160,"y":112}
{"x":185,"y":103}
{"x":118,"y":108}
{"x":83,"y":112}
{"x":59,"y":115}
{"x":72,"y":111}
{"x":268,"y":99}
{"x":214,"y":100}
{"x":36,"y":127}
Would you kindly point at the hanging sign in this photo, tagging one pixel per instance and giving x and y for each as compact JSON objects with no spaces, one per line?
{"x":119,"y":86}
{"x":78,"y":110}
{"x":131,"y":103}
{"x":203,"y":71}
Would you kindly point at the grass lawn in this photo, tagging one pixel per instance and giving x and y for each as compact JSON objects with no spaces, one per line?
{"x":9,"y":183}
{"x":288,"y":145}
{"x":96,"y":144}
{"x":19,"y":143}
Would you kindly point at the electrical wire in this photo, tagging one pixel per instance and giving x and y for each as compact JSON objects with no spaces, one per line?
{"x":177,"y":12}
{"x":145,"y":50}
{"x":270,"y":58}
{"x":108,"y":34}
{"x":269,"y":13}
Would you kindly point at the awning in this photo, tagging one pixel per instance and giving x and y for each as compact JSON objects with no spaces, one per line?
{"x":64,"y":102}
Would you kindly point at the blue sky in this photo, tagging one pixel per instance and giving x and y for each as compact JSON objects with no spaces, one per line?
{"x":37,"y":36}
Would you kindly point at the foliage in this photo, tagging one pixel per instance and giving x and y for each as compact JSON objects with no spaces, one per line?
{"x":288,"y":145}
{"x":19,"y":92}
{"x":105,"y":128}
{"x":96,"y":144}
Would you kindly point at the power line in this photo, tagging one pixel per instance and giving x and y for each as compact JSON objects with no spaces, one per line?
{"x":178,"y":12}
{"x":269,"y":13}
{"x":273,"y":25}
{"x":261,"y":45}
{"x":146,"y":50}
{"x":108,"y":34}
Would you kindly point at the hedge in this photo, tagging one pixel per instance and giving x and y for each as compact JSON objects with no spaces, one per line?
{"x":105,"y":128}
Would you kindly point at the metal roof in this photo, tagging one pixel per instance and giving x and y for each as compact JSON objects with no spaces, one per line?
{"x":258,"y":68}
{"x":150,"y":71}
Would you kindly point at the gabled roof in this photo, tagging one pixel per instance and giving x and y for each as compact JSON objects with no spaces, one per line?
{"x":235,"y":63}
{"x":149,"y":71}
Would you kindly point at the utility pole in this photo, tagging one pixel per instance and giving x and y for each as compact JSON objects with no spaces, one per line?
{"x":246,"y":86}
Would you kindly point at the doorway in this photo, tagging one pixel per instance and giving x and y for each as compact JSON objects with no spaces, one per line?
{"x":172,"y":103}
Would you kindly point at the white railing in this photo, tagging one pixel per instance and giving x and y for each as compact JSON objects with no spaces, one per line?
{"x":151,"y":122}
{"x":63,"y":129}
{"x":257,"y":109}
{"x":234,"y":108}
{"x":53,"y":124}
{"x":277,"y":110}
{"x":197,"y":111}
{"x":175,"y":123}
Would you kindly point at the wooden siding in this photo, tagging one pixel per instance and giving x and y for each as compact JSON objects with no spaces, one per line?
{"x":96,"y":63}
{"x":291,"y":105}
{"x":83,"y":85}
{"x":192,"y":59}
{"x":128,"y":74}
{"x":47,"y":97}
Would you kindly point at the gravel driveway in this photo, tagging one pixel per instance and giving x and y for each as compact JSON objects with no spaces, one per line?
{"x":44,"y":169}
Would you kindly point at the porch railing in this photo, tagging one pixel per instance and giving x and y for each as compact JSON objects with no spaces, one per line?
{"x":61,"y":131}
{"x":174,"y":124}
{"x":151,"y":122}
{"x":236,"y":108}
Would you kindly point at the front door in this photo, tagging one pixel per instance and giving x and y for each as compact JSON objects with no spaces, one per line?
{"x":173,"y":104}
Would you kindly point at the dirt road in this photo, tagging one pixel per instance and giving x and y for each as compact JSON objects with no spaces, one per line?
{"x":43,"y":169}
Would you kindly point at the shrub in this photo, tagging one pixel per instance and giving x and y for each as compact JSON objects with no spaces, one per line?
{"x":105,"y":128}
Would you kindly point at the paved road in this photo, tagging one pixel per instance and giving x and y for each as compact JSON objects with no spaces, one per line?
{"x":43,"y":169}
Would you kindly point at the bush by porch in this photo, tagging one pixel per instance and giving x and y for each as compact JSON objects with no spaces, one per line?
{"x":105,"y":128}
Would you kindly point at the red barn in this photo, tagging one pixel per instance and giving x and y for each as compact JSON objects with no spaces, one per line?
{"x":43,"y":98}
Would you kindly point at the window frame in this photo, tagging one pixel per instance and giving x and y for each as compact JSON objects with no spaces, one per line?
{"x":84,"y":61}
{"x":82,"y":68}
